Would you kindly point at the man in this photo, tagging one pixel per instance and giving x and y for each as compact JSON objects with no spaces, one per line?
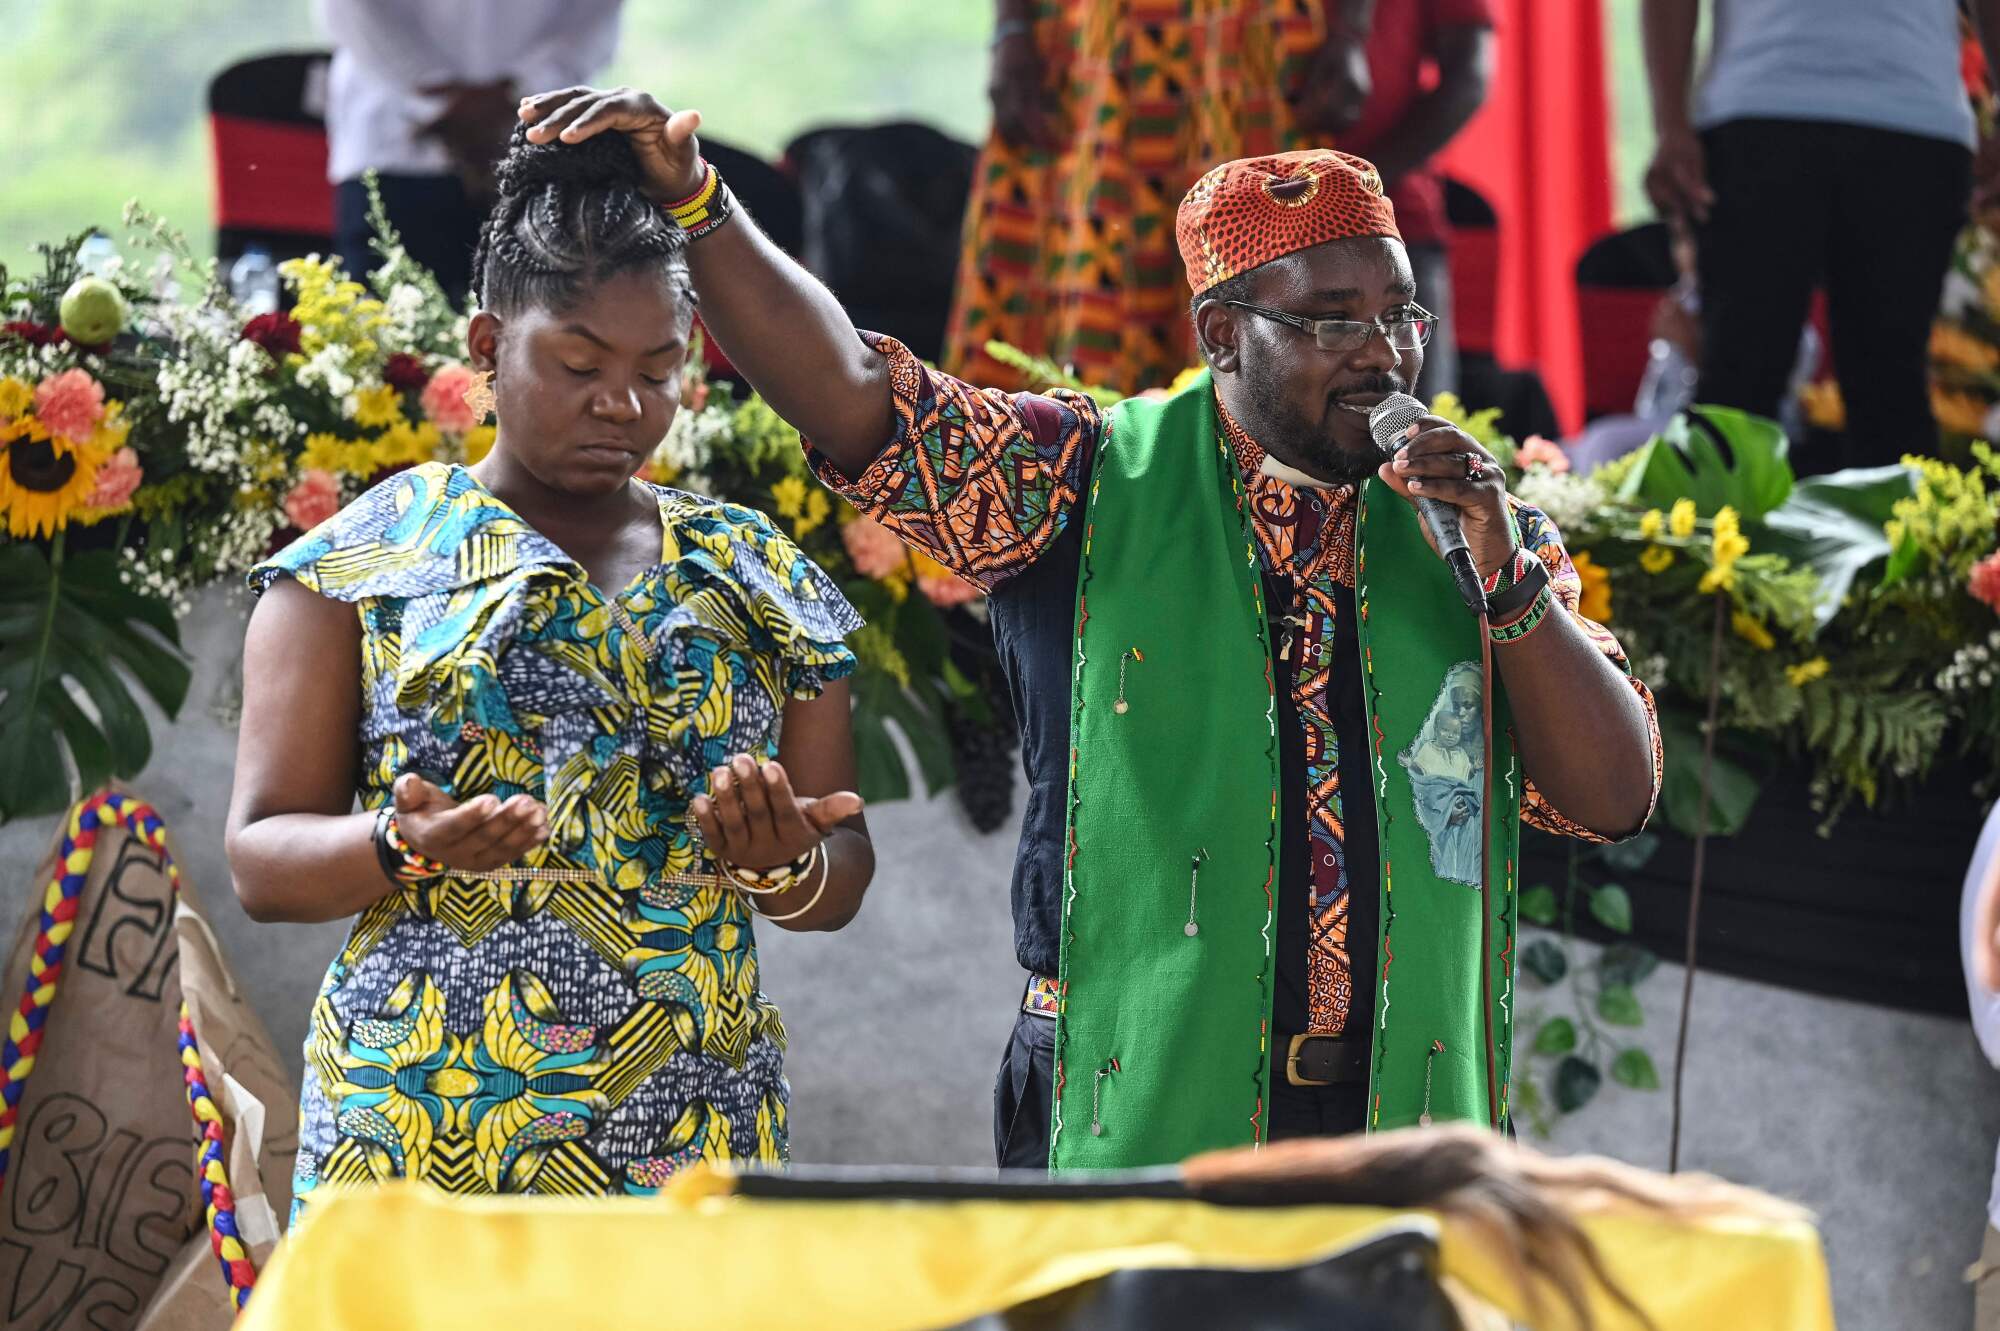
{"x":1221,"y":625}
{"x":1367,"y":92}
{"x":1805,"y":109}
{"x":424,"y":93}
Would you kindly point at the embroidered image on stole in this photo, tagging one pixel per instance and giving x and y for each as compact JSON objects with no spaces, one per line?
{"x":1444,"y":766}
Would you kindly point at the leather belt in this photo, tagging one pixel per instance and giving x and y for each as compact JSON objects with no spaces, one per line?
{"x":1326,"y":1060}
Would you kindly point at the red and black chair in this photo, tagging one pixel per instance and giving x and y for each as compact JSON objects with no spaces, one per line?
{"x":1620,"y":281}
{"x":267,"y":121}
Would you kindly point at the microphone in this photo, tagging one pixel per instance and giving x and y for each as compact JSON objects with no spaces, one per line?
{"x":1386,"y":422}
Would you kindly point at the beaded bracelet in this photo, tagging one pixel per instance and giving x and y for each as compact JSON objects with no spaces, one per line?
{"x":707,"y":208}
{"x":825,"y":874}
{"x":1509,"y":600}
{"x":1511,"y":571}
{"x":771,"y":882}
{"x":401,"y":863}
{"x":1529,"y":621}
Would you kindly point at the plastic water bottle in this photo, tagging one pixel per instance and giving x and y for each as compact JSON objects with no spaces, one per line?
{"x":95,"y":256}
{"x":253,"y":282}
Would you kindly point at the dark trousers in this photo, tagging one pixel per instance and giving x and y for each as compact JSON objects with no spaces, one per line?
{"x":1868,"y":213}
{"x":438,"y":222}
{"x":1023,"y":1100}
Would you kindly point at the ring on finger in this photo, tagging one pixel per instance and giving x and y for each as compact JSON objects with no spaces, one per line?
{"x":1475,"y":467}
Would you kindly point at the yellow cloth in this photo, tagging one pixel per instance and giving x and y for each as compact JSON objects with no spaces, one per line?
{"x":404,"y":1255}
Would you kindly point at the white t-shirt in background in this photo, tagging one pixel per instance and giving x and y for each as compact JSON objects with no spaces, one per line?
{"x":385,"y":50}
{"x":1886,"y":64}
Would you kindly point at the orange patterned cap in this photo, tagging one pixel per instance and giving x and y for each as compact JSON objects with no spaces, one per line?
{"x":1246,"y":213}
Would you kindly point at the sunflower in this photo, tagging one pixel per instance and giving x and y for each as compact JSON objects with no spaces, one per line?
{"x":43,"y":480}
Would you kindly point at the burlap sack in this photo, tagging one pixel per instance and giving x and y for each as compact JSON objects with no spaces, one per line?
{"x":99,"y":1200}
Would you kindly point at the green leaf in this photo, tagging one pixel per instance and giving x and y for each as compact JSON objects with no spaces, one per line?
{"x":1634,"y":1068}
{"x":1632,"y":854}
{"x":1903,"y":561}
{"x":1833,"y":525}
{"x":74,"y":631}
{"x":1625,"y":964}
{"x":1577,"y":1081}
{"x":1715,"y":456}
{"x":1538,"y":905}
{"x":1611,"y":906}
{"x":1620,"y":1006}
{"x":1544,"y":960}
{"x":1556,"y":1036}
{"x":1734,"y":788}
{"x":879,"y":767}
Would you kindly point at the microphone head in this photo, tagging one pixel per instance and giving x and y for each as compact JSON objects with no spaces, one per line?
{"x":1391,"y":416}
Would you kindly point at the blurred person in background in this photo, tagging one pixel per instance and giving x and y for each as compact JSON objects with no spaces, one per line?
{"x":423,"y":93}
{"x":1827,"y":142}
{"x":1102,"y":119}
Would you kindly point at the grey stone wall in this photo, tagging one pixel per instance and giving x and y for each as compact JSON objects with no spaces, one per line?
{"x":1884,"y":1123}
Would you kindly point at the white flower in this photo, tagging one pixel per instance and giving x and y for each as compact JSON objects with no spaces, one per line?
{"x":691,"y":440}
{"x":1569,"y":500}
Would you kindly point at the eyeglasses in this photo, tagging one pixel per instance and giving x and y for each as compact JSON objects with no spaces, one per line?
{"x":1406,"y":330}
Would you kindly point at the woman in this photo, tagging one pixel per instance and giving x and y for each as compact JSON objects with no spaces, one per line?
{"x":592,"y":724}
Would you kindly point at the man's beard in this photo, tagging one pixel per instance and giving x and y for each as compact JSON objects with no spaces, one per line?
{"x":1311,"y":445}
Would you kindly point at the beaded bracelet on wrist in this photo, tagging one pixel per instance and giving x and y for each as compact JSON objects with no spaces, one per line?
{"x":1509,"y":601}
{"x":399,"y":860}
{"x":707,"y":208}
{"x":773,"y":881}
{"x":1520,"y":628}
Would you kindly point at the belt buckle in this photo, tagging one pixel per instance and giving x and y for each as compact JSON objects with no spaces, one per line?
{"x":1292,"y":1062}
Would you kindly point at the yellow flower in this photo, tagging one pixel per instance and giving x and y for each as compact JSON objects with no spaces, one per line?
{"x":818,"y":509}
{"x":1651,"y":523}
{"x":1596,"y":600}
{"x":1824,"y":406}
{"x":1805,"y":672}
{"x":324,"y":452}
{"x":1726,"y":546}
{"x":1752,"y":630}
{"x":788,"y":496}
{"x":1656,"y":559}
{"x":1989,"y":282}
{"x":479,"y":442}
{"x":15,"y":397}
{"x":331,"y":310}
{"x":44,"y":481}
{"x":1681,"y":521}
{"x":378,"y":406}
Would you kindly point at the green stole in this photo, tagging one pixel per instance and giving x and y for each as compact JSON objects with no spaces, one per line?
{"x":1163,"y":1032}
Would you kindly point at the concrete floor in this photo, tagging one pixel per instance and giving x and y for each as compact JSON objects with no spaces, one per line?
{"x":1883,"y":1123}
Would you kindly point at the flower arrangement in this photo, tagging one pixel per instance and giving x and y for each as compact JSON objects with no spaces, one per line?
{"x":153,"y":443}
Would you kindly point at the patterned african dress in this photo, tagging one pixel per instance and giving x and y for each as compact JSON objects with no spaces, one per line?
{"x":590,"y":1019}
{"x":1071,"y":253}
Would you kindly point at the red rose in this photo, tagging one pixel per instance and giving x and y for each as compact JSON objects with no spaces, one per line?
{"x":278,"y":333}
{"x":34,"y":334}
{"x":406,"y":372}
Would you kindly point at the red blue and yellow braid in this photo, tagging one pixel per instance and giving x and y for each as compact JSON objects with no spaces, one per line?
{"x":25,"y":1028}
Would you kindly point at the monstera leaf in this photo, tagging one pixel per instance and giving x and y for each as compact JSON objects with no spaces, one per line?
{"x":1715,"y":456}
{"x":1834,"y":526}
{"x":71,"y":636}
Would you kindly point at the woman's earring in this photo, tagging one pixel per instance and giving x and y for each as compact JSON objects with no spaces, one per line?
{"x":480,"y":395}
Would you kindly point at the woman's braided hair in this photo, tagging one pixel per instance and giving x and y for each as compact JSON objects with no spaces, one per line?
{"x":569,"y":215}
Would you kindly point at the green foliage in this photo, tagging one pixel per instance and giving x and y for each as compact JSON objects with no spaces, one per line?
{"x":69,"y":629}
{"x":1633,"y":1068}
{"x":1687,"y":460}
{"x":1606,"y":992}
{"x":1612,"y":908}
{"x":1538,"y":905}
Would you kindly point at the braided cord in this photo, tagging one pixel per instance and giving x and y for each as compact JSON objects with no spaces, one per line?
{"x":25,"y":1029}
